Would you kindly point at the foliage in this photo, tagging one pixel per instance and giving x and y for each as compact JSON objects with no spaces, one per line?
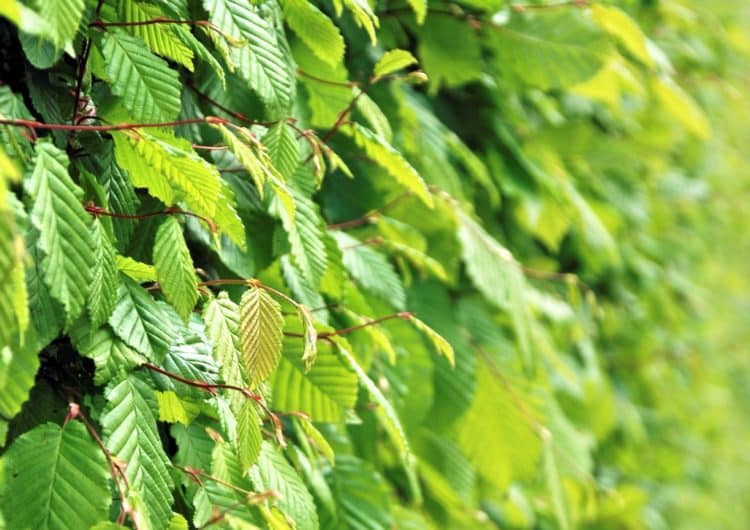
{"x":367,"y":265}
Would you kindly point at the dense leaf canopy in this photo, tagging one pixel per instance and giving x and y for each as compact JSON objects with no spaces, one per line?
{"x":374,"y":264}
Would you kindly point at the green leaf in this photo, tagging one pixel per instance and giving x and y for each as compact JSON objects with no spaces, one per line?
{"x":362,"y":13}
{"x":161,"y":39}
{"x":437,"y":47}
{"x":56,"y":478}
{"x":222,"y":327}
{"x":245,"y":149}
{"x":140,"y":322}
{"x":170,"y":169}
{"x":283,"y":149}
{"x":618,"y":23}
{"x":498,"y":276}
{"x":140,"y":272}
{"x":324,"y":392}
{"x":387,"y":415}
{"x":393,"y":61}
{"x":273,"y":472}
{"x":149,"y":88}
{"x":315,"y":29}
{"x":249,"y":435}
{"x":18,"y":368}
{"x":174,"y":267}
{"x":260,"y":328}
{"x":262,"y":60}
{"x":62,"y":17}
{"x":171,"y":408}
{"x":371,"y":270}
{"x":105,"y":280}
{"x":306,"y":231}
{"x":441,"y":345}
{"x":681,"y":107}
{"x":383,"y":154}
{"x":131,"y":435}
{"x":64,"y":230}
{"x":551,"y":48}
{"x":112,"y":357}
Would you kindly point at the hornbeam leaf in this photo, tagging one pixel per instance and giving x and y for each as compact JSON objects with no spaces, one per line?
{"x":387,"y":416}
{"x":149,"y":88}
{"x":140,"y":322}
{"x":324,"y":393}
{"x":63,"y":17}
{"x":393,"y":61}
{"x":160,"y":38}
{"x":131,"y":435}
{"x":111,"y":356}
{"x":140,"y":272}
{"x":264,"y":60}
{"x":18,"y":368}
{"x":63,"y":225}
{"x":283,"y":149}
{"x":553,"y":48}
{"x":315,"y":29}
{"x":102,"y":297}
{"x":174,"y":267}
{"x":169,"y":168}
{"x":383,"y":154}
{"x":441,"y":345}
{"x":273,"y":472}
{"x":260,"y":328}
{"x":56,"y":478}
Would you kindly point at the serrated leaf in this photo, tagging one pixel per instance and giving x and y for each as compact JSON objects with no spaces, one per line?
{"x":139,"y":271}
{"x":306,"y":232}
{"x":441,"y":345}
{"x":149,"y":88}
{"x":273,"y":472}
{"x":160,"y":38}
{"x":171,"y":408}
{"x":324,"y":392}
{"x":169,"y":168}
{"x":63,"y":225}
{"x":383,"y":154}
{"x":62,"y":17}
{"x":174,"y":267}
{"x":498,"y":276}
{"x":18,"y":368}
{"x":48,"y":471}
{"x":315,"y":29}
{"x":260,"y":328}
{"x":393,"y":61}
{"x":222,"y":327}
{"x":387,"y":415}
{"x":102,"y":296}
{"x":371,"y":270}
{"x":111,"y":356}
{"x":140,"y":322}
{"x":362,"y":13}
{"x":246,"y":155}
{"x":261,"y":60}
{"x":131,"y":435}
{"x":283,"y":150}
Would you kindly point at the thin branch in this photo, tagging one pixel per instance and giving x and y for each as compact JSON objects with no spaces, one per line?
{"x":98,"y":210}
{"x":252,"y":498}
{"x":211,"y":388}
{"x":99,"y":24}
{"x":403,"y":315}
{"x":37,"y":125}
{"x":115,"y":470}
{"x":344,"y":84}
{"x":369,"y":216}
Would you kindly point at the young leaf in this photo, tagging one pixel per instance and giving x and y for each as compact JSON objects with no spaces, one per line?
{"x":393,"y":61}
{"x":160,"y":38}
{"x":174,"y":267}
{"x":260,"y":328}
{"x":64,"y":234}
{"x":283,"y":149}
{"x":149,"y":88}
{"x":111,"y":356}
{"x":140,"y":272}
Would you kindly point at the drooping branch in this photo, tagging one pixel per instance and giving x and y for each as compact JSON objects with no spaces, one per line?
{"x":211,"y":388}
{"x":172,"y":210}
{"x":37,"y":125}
